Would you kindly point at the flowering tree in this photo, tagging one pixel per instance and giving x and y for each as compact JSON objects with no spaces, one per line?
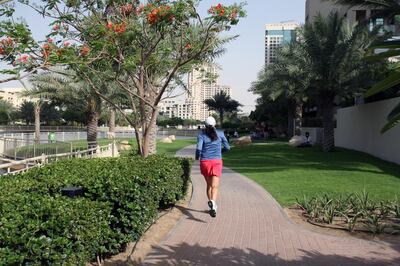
{"x":146,"y":48}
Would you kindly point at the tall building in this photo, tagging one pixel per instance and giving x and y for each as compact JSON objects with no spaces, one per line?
{"x":13,"y":95}
{"x":352,"y":14}
{"x":202,"y":84}
{"x":276,"y":35}
{"x":201,"y":88}
{"x":170,"y":109}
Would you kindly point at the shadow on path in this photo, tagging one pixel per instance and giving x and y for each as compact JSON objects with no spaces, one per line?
{"x":197,"y":255}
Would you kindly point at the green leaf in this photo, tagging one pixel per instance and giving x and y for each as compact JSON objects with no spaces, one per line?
{"x":394,"y":112}
{"x":384,"y":55}
{"x":392,"y":122}
{"x":392,"y":44}
{"x":389,"y":82}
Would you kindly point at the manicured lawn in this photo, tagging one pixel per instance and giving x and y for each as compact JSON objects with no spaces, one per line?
{"x":169,"y":148}
{"x":172,"y":148}
{"x":289,"y":173}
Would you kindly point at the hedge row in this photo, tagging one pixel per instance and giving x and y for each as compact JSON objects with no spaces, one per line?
{"x":121,"y":198}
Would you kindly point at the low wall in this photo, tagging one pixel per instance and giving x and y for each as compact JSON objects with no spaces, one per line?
{"x":358,"y":128}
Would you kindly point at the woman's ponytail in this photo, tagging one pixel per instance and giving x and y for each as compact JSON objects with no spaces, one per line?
{"x":211,"y":132}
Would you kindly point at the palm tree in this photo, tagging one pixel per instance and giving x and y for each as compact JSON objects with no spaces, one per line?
{"x":222,"y":103}
{"x":288,"y":77}
{"x":6,"y":111}
{"x":62,"y":86}
{"x":336,"y":53}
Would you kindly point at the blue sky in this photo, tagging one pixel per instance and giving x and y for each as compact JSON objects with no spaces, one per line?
{"x":244,"y":57}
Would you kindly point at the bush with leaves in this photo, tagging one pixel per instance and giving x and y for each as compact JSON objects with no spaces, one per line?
{"x":121,"y":198}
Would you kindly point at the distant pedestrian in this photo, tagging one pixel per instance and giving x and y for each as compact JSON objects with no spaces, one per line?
{"x":228,"y":136}
{"x":52,"y":137}
{"x":210,"y":142}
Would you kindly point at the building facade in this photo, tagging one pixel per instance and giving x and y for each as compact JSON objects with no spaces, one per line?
{"x":275,"y":36}
{"x":170,"y":109}
{"x":353,"y":15}
{"x":202,"y":84}
{"x":13,"y":96}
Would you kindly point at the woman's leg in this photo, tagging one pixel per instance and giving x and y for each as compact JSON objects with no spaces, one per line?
{"x":214,"y":184}
{"x":208,"y":189}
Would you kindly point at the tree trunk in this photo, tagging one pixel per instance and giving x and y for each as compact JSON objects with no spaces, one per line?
{"x":290,"y":125}
{"x":149,"y":136}
{"x":111,"y":129}
{"x":221,"y":118}
{"x":298,"y":118}
{"x":153,"y":137}
{"x":37,"y":122}
{"x":327,"y":109}
{"x":92,"y":123}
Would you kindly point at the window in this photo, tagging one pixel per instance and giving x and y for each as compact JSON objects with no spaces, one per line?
{"x":361,"y":15}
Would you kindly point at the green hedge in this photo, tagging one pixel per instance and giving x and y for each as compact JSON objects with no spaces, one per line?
{"x":121,"y":198}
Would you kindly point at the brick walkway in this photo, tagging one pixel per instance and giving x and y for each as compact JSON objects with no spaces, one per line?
{"x":251,"y":229}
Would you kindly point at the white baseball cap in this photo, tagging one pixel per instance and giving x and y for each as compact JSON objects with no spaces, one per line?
{"x":210,"y":121}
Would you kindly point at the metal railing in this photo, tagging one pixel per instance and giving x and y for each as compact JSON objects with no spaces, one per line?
{"x":177,"y":132}
{"x":14,"y":167}
{"x":24,"y":128}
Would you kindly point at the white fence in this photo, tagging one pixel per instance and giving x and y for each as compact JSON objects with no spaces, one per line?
{"x":358,"y":128}
{"x":13,"y":167}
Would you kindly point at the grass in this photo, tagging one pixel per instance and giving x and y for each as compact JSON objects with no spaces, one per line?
{"x":289,"y":173}
{"x":168,"y":148}
{"x":172,"y":148}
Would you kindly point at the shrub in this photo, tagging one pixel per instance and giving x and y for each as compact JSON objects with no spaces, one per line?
{"x":121,"y":198}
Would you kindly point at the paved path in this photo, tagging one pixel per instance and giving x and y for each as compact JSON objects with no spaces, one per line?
{"x":251,"y":229}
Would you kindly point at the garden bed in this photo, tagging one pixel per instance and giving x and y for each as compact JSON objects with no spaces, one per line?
{"x":352,"y":213}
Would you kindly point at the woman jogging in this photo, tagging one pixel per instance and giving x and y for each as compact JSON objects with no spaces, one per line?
{"x":210,"y":142}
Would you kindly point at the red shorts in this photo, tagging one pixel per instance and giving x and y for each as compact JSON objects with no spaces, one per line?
{"x":210,"y":168}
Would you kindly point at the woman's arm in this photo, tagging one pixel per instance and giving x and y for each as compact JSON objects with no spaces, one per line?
{"x":225,"y":144}
{"x":199,"y":146}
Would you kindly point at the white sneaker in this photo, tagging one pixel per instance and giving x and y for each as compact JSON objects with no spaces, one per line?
{"x":213,"y":208}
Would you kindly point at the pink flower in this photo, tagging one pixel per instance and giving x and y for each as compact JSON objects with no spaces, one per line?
{"x":66,"y":43}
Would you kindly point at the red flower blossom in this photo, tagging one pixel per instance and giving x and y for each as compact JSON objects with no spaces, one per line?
{"x":85,"y":50}
{"x":45,"y":53}
{"x":109,"y":25}
{"x":233,"y":15}
{"x":2,"y":51}
{"x":188,"y":46}
{"x":49,"y":40}
{"x":23,"y":58}
{"x":56,"y":27}
{"x":59,"y":52}
{"x":126,"y":9}
{"x":46,"y":46}
{"x":7,"y":42}
{"x":120,"y":28}
{"x":66,"y":43}
{"x":151,"y":18}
